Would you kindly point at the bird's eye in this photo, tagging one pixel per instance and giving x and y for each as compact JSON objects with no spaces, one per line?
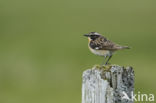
{"x":93,"y":37}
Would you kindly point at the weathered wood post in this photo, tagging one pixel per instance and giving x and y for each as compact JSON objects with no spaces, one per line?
{"x":107,"y":84}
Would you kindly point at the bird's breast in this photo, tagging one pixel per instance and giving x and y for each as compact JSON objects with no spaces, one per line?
{"x":100,"y":52}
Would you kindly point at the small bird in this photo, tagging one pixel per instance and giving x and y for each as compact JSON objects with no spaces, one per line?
{"x":100,"y":45}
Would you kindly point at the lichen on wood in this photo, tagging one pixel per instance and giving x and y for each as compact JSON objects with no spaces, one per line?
{"x":106,"y":84}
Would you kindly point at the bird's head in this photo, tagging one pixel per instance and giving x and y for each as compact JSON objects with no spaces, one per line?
{"x":92,"y":35}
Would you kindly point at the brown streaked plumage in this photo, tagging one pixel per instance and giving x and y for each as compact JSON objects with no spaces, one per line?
{"x":101,"y":46}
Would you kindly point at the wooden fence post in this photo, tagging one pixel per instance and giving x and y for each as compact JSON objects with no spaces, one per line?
{"x":108,"y":84}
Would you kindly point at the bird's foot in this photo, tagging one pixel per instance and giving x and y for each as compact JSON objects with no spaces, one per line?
{"x":105,"y":64}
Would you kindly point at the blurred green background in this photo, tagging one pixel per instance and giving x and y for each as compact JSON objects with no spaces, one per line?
{"x":43,"y":52}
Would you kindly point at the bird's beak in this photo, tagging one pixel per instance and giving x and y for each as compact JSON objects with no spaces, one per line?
{"x":87,"y":35}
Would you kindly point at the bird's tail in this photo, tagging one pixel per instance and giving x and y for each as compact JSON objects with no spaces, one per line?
{"x":118,"y":47}
{"x":124,"y":47}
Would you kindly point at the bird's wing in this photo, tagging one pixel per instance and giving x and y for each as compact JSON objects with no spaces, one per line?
{"x":104,"y":44}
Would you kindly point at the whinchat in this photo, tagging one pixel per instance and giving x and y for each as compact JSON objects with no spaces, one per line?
{"x":100,"y":45}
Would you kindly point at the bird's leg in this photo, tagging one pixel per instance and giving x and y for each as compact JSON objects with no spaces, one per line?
{"x":108,"y":59}
{"x":104,"y":60}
